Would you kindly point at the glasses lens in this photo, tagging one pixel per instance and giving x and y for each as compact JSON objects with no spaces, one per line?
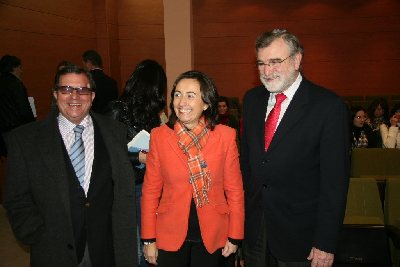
{"x":79,"y":90}
{"x":83,"y":90}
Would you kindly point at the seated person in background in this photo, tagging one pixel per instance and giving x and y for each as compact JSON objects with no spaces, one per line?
{"x":224,"y":117}
{"x":378,"y":113}
{"x":360,"y":132}
{"x":390,"y":135}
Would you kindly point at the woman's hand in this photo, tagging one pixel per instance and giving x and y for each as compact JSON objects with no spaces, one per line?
{"x":151,"y":253}
{"x":229,"y":249}
{"x":142,"y":157}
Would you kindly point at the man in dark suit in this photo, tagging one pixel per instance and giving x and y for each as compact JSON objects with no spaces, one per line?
{"x":106,"y":87}
{"x":72,"y":216}
{"x":295,"y":163}
{"x":15,"y":109}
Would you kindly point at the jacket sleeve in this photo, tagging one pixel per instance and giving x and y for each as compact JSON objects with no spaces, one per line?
{"x":389,"y":136}
{"x":233,"y":187}
{"x":334,"y":176}
{"x":25,"y":219}
{"x":151,"y":190}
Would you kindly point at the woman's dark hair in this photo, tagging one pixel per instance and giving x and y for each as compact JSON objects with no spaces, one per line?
{"x":8,"y":63}
{"x":144,"y":94}
{"x":395,"y":108}
{"x":74,"y":70}
{"x":374,"y":104}
{"x":352,"y":113}
{"x":209,"y":95}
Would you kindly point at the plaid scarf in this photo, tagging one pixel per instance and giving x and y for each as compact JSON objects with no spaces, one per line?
{"x":191,"y":142}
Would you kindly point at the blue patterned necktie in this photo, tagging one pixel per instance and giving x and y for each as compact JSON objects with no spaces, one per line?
{"x":77,"y":154}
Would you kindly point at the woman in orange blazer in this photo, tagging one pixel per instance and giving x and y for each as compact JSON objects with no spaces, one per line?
{"x":192,"y":202}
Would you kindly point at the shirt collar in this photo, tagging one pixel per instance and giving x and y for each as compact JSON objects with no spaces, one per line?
{"x":289,"y":93}
{"x":69,"y":126}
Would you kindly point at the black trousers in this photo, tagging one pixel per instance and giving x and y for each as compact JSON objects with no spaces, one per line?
{"x":259,"y":255}
{"x":191,"y":254}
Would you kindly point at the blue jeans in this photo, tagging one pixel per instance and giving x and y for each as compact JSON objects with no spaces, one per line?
{"x":142,"y":261}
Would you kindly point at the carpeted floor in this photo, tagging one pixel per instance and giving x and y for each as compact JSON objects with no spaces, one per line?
{"x":12,"y":253}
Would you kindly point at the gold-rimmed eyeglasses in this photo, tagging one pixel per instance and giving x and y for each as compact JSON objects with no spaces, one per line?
{"x":273,"y":63}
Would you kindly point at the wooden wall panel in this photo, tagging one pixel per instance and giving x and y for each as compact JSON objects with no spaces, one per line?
{"x":349,"y":45}
{"x":141,"y":33}
{"x":41,"y":34}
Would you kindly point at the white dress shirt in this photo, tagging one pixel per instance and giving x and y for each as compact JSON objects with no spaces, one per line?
{"x":68,"y":135}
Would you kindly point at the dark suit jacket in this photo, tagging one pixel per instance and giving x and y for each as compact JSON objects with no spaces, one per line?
{"x":106,"y":91}
{"x":15,"y":109}
{"x":300,"y":183}
{"x":37,"y":196}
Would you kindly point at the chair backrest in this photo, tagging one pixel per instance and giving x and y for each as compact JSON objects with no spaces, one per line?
{"x":392,"y":202}
{"x":363,"y":239}
{"x":363,"y":203}
{"x":375,"y":161}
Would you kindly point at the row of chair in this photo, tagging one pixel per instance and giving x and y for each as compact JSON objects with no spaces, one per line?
{"x":370,"y":234}
{"x":365,"y":101}
{"x":371,"y":228}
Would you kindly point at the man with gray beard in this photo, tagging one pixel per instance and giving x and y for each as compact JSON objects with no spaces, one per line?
{"x":294,"y":160}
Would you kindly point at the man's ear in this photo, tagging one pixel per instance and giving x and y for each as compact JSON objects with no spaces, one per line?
{"x":297,"y":60}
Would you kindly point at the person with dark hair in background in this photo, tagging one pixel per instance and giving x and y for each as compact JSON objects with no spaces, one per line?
{"x":63,"y":64}
{"x":361,"y":135}
{"x":15,"y":109}
{"x":378,"y":113}
{"x":106,"y":87}
{"x":294,"y":159}
{"x":224,"y":116}
{"x":139,"y":108}
{"x":192,"y":202}
{"x":69,"y":190}
{"x":391,"y":134}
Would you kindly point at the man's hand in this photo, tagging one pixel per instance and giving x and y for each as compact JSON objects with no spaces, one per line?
{"x":229,"y":249}
{"x":151,"y":253}
{"x":320,"y":258}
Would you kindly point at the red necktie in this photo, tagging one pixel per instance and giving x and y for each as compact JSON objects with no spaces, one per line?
{"x":272,"y":120}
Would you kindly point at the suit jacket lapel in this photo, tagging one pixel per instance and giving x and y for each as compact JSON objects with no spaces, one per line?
{"x":50,"y":146}
{"x":173,"y":143}
{"x":260,"y":116}
{"x":295,"y":111}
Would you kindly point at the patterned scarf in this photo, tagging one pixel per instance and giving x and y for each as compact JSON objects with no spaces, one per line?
{"x":191,"y":142}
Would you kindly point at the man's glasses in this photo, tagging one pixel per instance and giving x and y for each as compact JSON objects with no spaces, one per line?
{"x":273,"y":63}
{"x":69,"y":89}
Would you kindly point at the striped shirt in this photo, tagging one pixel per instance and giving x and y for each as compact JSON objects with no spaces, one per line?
{"x":67,"y":132}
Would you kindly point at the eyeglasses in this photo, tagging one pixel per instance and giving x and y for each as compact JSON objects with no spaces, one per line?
{"x":273,"y":63}
{"x":69,"y":89}
{"x":361,"y":117}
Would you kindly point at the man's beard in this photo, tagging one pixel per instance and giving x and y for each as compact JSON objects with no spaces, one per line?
{"x":279,"y":83}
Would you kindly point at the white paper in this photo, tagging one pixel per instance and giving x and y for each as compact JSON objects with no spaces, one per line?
{"x":139,"y":142}
{"x":32,"y":104}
